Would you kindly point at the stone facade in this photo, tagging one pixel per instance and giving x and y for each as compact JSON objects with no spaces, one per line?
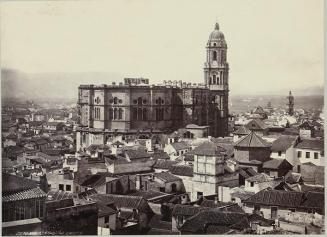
{"x":137,"y":107}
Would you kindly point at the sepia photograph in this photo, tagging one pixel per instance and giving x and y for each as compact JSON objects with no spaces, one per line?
{"x":162,"y":117}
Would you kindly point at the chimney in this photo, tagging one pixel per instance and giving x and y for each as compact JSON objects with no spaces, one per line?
{"x":216,"y":199}
{"x":138,"y":183}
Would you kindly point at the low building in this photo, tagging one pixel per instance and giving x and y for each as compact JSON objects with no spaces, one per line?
{"x":251,"y":147}
{"x":22,"y":199}
{"x":284,"y":148}
{"x":216,"y":222}
{"x":311,"y":150}
{"x":168,"y":183}
{"x":164,"y":165}
{"x":132,"y":211}
{"x":276,"y":204}
{"x":67,"y":214}
{"x":276,"y":167}
{"x":260,"y":182}
{"x":193,"y":131}
{"x":61,"y":179}
{"x":176,"y":149}
{"x":258,"y":126}
{"x":185,"y":172}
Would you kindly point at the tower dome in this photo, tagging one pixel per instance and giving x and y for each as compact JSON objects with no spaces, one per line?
{"x":216,"y":36}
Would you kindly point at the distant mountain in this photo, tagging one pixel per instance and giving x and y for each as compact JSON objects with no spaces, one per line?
{"x":20,"y":85}
{"x":16,"y":84}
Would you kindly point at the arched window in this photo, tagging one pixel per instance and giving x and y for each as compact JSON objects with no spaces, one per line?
{"x":134,"y":113}
{"x":115,"y":113}
{"x":115,"y":100}
{"x":173,"y":188}
{"x":162,"y":114}
{"x":218,"y":80}
{"x":214,"y":79}
{"x":159,"y":101}
{"x":214,"y":55}
{"x":159,"y":114}
{"x":110,"y":114}
{"x":97,"y":113}
{"x":120,"y":113}
{"x":139,"y":114}
{"x":144,"y":114}
{"x":139,"y":100}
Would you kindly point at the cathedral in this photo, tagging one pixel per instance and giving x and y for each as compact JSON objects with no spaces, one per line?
{"x":135,"y":107}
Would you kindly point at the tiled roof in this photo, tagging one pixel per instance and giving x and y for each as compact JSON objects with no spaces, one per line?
{"x":87,"y":193}
{"x":94,"y":147}
{"x":276,"y":198}
{"x":220,"y":140}
{"x":251,"y":140}
{"x":105,"y":210}
{"x":226,"y":206}
{"x":160,"y":155}
{"x":148,"y":194}
{"x":199,"y":222}
{"x":217,"y":230}
{"x":137,"y":167}
{"x":260,"y":178}
{"x":288,"y":199}
{"x":256,"y":124}
{"x":241,"y":193}
{"x":124,"y":201}
{"x":243,"y":173}
{"x":96,"y":179}
{"x":250,"y":171}
{"x":242,"y":131}
{"x":312,"y":144}
{"x":12,"y":184}
{"x":187,"y":210}
{"x":277,"y":164}
{"x":283,"y":143}
{"x":23,"y":195}
{"x":164,"y":164}
{"x":189,"y":156}
{"x":209,"y":149}
{"x":182,"y":170}
{"x":166,"y":177}
{"x":313,"y":200}
{"x":59,"y":195}
{"x":180,"y":146}
{"x":137,"y":154}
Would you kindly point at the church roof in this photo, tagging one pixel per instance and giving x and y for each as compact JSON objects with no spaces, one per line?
{"x":216,"y":34}
{"x":251,"y":140}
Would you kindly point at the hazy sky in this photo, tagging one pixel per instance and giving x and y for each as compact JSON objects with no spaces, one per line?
{"x":272,"y":45}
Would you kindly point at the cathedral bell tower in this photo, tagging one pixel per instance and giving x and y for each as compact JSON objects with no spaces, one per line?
{"x":216,"y":79}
